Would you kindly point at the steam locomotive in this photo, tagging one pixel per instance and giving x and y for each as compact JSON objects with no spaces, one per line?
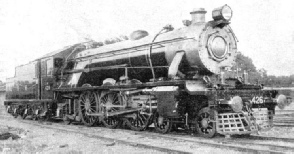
{"x":175,"y":79}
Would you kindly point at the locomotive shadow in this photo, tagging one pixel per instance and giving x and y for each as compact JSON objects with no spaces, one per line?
{"x":252,"y":137}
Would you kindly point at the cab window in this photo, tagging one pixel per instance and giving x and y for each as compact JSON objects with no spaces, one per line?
{"x":47,"y":67}
{"x":49,"y":64}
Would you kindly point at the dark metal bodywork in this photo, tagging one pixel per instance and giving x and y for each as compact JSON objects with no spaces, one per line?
{"x":35,"y":81}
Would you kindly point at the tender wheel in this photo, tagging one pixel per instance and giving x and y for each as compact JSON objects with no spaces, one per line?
{"x":15,"y":115}
{"x":66,"y":120}
{"x":161,"y":124}
{"x":35,"y":117}
{"x":138,"y":121}
{"x":87,"y":104}
{"x":111,"y":98}
{"x":15,"y":112}
{"x":24,"y":114}
{"x":47,"y":116}
{"x":204,"y":125}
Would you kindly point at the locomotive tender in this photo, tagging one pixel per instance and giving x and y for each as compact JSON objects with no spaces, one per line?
{"x":175,"y":79}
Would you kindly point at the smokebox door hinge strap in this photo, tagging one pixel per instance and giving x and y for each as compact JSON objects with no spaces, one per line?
{"x":174,"y":66}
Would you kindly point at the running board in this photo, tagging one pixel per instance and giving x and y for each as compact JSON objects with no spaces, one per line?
{"x":109,"y":114}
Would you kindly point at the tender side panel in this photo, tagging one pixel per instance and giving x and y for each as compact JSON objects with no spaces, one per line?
{"x":24,"y":84}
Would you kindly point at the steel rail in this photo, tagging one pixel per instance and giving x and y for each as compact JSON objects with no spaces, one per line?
{"x":215,"y":143}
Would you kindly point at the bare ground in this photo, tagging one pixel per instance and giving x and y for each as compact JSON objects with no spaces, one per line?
{"x":41,"y":140}
{"x":34,"y":139}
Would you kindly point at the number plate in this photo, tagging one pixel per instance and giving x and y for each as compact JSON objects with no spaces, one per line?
{"x":257,"y":100}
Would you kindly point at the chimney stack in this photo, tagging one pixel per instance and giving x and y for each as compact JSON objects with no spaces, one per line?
{"x":198,"y":15}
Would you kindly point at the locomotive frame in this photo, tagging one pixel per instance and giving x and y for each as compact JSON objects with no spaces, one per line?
{"x":175,"y":79}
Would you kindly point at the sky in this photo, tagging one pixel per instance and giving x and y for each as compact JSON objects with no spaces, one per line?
{"x":32,"y":28}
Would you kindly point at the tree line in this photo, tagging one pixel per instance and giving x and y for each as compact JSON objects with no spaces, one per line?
{"x":260,"y":76}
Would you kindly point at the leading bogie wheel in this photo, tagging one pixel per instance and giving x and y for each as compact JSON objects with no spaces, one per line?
{"x":206,"y":127}
{"x":87,"y":105}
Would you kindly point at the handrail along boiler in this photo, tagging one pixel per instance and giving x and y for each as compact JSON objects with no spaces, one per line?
{"x":177,"y":78}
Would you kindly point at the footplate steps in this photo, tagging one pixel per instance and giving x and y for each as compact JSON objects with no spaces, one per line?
{"x":234,"y":123}
{"x":241,"y":123}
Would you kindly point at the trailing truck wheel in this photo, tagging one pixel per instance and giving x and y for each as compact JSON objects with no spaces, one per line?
{"x":204,"y":125}
{"x":110,"y":98}
{"x":161,"y":124}
{"x":138,"y":121}
{"x":87,"y":104}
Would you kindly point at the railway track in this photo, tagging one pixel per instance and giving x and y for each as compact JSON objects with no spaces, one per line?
{"x":149,"y":139}
{"x":284,"y":118}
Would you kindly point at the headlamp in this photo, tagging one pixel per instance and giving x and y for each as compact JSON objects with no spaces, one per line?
{"x":236,"y":103}
{"x":281,"y":101}
{"x":222,"y":13}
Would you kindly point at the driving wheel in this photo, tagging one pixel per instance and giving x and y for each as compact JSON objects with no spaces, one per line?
{"x":87,"y":105}
{"x":106,"y":100}
{"x":205,"y":126}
